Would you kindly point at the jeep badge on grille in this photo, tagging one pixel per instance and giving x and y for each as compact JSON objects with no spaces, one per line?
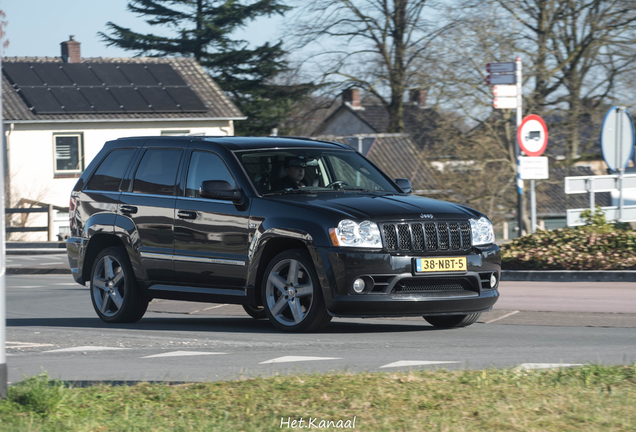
{"x":426,"y":216}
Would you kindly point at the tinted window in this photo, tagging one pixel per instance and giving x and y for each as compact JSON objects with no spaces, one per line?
{"x":206,"y":166}
{"x":157,"y":172}
{"x":110,"y":172}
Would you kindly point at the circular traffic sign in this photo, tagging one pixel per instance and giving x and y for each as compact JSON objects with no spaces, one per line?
{"x":617,"y":138}
{"x":532,"y":135}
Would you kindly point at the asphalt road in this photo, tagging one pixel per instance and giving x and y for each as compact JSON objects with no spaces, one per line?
{"x":51,"y":326}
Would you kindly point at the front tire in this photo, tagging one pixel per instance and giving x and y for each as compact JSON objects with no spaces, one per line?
{"x":291,"y":292}
{"x":451,"y":321}
{"x":115,"y":294}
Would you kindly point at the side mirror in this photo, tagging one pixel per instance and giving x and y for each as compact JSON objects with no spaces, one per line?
{"x":404,"y":184}
{"x":220,"y":190}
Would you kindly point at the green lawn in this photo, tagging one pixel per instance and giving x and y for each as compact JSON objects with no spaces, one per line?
{"x":588,"y":398}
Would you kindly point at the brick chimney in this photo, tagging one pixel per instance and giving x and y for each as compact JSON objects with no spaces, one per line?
{"x":351,"y":97}
{"x":418,"y":98}
{"x":71,"y":51}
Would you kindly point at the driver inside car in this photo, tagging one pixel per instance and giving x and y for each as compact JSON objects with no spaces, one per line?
{"x":295,"y":170}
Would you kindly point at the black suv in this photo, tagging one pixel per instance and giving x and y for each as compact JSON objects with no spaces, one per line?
{"x":293,"y":229}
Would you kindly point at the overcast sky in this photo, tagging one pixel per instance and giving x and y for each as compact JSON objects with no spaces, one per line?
{"x":37,"y":27}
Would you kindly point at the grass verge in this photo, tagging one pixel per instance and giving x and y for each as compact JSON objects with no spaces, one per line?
{"x":589,"y":398}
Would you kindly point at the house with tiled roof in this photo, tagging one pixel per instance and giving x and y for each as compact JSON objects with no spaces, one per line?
{"x":353,"y":117}
{"x":59,"y":111}
{"x":395,"y":154}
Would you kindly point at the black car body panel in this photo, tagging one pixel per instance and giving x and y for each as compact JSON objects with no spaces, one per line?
{"x":185,"y":247}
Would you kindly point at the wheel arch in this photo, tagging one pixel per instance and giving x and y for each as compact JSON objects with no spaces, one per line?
{"x":98,"y":242}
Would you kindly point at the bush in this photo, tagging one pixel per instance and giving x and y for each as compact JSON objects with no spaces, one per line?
{"x":37,"y":394}
{"x":598,"y":245}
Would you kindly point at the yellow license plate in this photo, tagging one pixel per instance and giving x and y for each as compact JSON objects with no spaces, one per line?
{"x":423,"y":265}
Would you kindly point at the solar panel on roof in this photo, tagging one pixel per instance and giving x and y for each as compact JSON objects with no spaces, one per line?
{"x":41,"y":99}
{"x":101,"y":99}
{"x":21,"y":74}
{"x":59,"y":88}
{"x":130,"y":99}
{"x":80,"y":74}
{"x":188,"y":101}
{"x":166,"y":75}
{"x":51,"y":74}
{"x":109,"y":74}
{"x":159,"y":99}
{"x":138,"y":74}
{"x":71,"y":99}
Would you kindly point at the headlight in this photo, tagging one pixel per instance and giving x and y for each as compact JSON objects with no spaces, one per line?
{"x":365,"y":234}
{"x":482,"y":231}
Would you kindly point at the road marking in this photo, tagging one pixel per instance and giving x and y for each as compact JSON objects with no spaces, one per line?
{"x":25,"y":345}
{"x":85,"y":348}
{"x":501,"y":317}
{"x":182,"y":354}
{"x":74,"y":283}
{"x":211,"y":307}
{"x":530,"y":366}
{"x":27,"y":286}
{"x":287,"y":359}
{"x":403,"y":363}
{"x":49,"y":263}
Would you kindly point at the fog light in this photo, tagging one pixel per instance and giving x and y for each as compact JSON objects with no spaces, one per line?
{"x":493,"y":280}
{"x":358,"y":285}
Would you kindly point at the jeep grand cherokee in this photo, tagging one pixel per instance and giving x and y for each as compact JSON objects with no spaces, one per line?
{"x":213,"y":219}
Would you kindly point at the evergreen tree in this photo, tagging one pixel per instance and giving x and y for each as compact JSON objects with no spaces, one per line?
{"x":203,"y":30}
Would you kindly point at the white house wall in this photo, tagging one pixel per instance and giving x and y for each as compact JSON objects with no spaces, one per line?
{"x":31,"y":156}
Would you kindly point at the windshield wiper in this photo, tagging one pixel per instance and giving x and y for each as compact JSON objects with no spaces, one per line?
{"x":290,"y":191}
{"x":366,"y":190}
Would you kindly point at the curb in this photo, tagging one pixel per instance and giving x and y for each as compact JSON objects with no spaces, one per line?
{"x":36,"y":271}
{"x":569,"y":275}
{"x":35,"y":251}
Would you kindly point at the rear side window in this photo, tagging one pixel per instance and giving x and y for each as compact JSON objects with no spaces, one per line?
{"x":205,"y":166}
{"x":157,"y":172}
{"x":110,"y":172}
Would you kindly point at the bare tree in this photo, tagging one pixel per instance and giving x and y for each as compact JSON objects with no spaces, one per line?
{"x":376,"y":44}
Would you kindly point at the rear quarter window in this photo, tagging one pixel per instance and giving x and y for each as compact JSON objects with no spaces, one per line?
{"x":108,"y":175}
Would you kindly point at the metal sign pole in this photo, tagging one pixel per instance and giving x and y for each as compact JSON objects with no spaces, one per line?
{"x":619,"y":133}
{"x":3,"y":314}
{"x":533,"y":207}
{"x":518,"y":151}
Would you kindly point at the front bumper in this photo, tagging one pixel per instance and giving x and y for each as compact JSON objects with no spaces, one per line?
{"x":393,"y":288}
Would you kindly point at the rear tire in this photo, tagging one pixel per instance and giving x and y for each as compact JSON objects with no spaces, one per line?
{"x":256,"y":312}
{"x":292,"y":295}
{"x":114,"y":290}
{"x":451,"y":321}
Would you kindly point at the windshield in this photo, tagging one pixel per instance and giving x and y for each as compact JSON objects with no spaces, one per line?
{"x":311,"y":171}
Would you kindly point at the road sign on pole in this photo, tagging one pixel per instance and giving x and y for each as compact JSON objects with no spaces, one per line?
{"x":617,"y":138}
{"x":532,"y":136}
{"x":501,"y":79}
{"x":506,"y":67}
{"x":505,"y":90}
{"x":505,"y":102}
{"x":534,"y":168}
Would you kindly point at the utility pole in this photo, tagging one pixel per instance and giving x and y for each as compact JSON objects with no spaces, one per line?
{"x":3,"y":309}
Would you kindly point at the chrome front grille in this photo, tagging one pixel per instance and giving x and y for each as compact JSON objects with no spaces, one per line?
{"x":426,"y":236}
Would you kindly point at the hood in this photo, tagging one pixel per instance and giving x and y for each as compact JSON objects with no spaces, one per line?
{"x":378,"y":207}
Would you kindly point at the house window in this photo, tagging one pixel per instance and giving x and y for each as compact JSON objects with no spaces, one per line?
{"x":69,"y":157}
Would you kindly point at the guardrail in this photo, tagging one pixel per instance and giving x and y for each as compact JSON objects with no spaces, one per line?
{"x":41,"y":208}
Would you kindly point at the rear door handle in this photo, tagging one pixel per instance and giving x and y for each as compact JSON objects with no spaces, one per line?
{"x":187,"y":214}
{"x":128,"y":209}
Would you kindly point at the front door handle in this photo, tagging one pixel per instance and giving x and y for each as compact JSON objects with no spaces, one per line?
{"x":187,"y":214}
{"x":128,"y":209}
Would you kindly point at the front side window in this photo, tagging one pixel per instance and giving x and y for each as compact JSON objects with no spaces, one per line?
{"x":157,"y":172}
{"x":205,"y":166}
{"x":67,"y":149}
